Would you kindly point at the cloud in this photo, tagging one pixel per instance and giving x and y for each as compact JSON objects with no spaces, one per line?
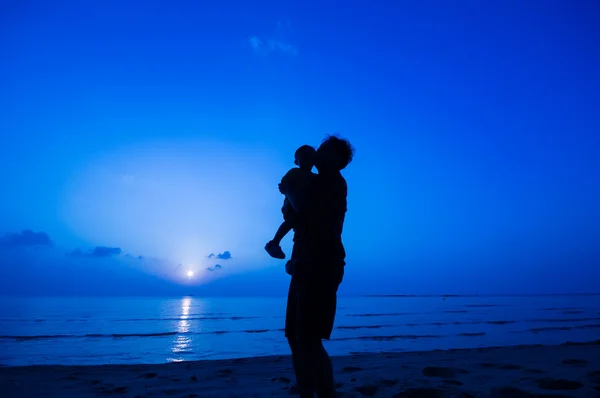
{"x":135,"y":257}
{"x":215,"y":268}
{"x":26,"y":238}
{"x":98,"y":252}
{"x":256,"y":43}
{"x":224,"y":256}
{"x":275,"y":45}
{"x":269,"y":45}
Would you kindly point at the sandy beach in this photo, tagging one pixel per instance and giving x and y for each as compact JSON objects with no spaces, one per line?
{"x":568,"y":370}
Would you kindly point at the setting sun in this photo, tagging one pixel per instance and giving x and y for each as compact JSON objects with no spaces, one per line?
{"x":190,"y":274}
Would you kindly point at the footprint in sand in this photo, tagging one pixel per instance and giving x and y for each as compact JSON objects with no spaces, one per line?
{"x":510,"y":367}
{"x":575,"y":362}
{"x":368,"y":390}
{"x":351,"y":369}
{"x":282,"y":379}
{"x":120,"y":390}
{"x":512,"y":392}
{"x":224,"y":372}
{"x":559,"y":384}
{"x":442,"y":372}
{"x":536,"y":371}
{"x":150,"y":375}
{"x":388,"y":382}
{"x":594,"y":376}
{"x":452,"y":382}
{"x":420,"y":393}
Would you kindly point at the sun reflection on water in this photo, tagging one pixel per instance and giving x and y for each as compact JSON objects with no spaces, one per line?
{"x":183,"y":342}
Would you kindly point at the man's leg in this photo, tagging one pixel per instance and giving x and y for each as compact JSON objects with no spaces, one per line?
{"x":316,"y":309}
{"x":291,"y":325}
{"x":314,"y":367}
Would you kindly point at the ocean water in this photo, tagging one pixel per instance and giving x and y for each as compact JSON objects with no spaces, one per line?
{"x":157,"y":330}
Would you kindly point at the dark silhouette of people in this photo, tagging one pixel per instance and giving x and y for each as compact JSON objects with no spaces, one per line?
{"x":317,"y":266}
{"x":297,"y":179}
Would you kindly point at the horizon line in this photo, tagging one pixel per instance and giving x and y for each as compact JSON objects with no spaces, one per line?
{"x":279,"y":296}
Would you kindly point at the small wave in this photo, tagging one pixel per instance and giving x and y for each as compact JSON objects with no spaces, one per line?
{"x":183,"y":352}
{"x":191,"y":318}
{"x":550,"y":329}
{"x":130,"y":335}
{"x":593,"y":326}
{"x":389,"y":314}
{"x":484,"y":305}
{"x":457,"y":323}
{"x":476,"y":334}
{"x":391,"y":338}
{"x":362,"y":327}
{"x":39,"y":337}
{"x":563,"y":320}
{"x":122,"y":335}
{"x":90,"y":335}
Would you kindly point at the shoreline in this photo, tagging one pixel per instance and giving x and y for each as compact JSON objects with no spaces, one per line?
{"x":530,"y":371}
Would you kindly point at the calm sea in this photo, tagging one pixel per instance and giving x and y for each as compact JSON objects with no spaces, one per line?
{"x":157,"y":330}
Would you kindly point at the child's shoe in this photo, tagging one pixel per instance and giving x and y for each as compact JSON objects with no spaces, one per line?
{"x":274,"y":250}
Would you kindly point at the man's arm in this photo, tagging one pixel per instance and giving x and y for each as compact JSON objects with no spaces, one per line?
{"x":300,"y":199}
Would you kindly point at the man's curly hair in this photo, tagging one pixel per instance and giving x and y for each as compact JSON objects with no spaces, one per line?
{"x":341,"y":147}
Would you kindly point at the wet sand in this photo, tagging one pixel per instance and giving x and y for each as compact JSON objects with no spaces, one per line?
{"x":568,"y":370}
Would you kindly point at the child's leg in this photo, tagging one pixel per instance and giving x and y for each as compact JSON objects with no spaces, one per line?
{"x":282,"y":231}
{"x":273,"y":247}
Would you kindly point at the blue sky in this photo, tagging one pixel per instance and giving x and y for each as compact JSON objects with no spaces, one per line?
{"x":163,"y":129}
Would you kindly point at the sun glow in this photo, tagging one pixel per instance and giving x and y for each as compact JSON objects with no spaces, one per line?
{"x":190,"y":274}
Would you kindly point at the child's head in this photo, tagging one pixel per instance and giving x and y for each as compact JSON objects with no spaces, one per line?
{"x":334,"y":154}
{"x":305,"y":157}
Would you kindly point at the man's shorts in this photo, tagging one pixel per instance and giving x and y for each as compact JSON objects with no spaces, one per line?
{"x":312,"y":301}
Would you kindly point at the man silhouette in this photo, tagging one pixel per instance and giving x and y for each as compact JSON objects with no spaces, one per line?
{"x":317,"y":268}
